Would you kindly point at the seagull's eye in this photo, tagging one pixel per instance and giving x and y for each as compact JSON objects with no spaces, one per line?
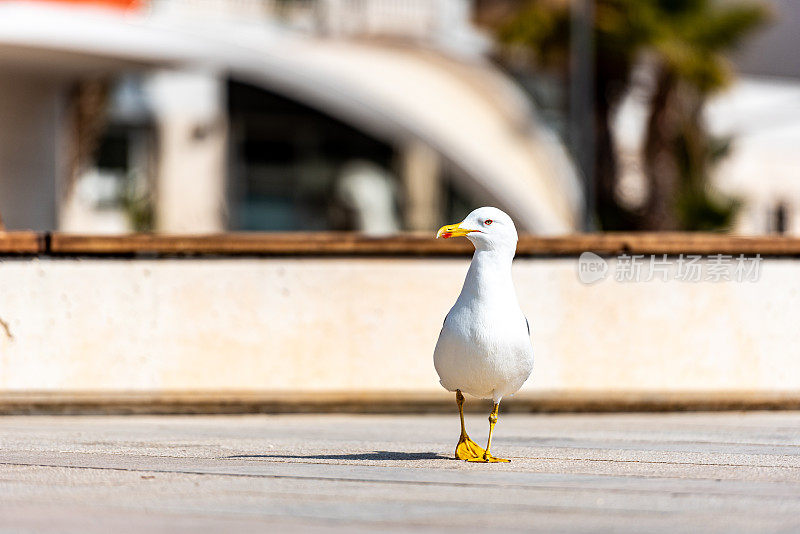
{"x":487,"y":222}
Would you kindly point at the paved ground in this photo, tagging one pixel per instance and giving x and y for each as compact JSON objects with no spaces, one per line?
{"x":715,"y":472}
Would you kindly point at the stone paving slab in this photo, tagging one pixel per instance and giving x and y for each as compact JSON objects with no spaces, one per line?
{"x":678,"y":472}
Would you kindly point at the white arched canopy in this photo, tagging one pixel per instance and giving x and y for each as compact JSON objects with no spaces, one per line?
{"x":467,"y":112}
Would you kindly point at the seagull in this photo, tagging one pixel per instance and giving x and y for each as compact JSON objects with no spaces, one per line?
{"x":484,"y":348}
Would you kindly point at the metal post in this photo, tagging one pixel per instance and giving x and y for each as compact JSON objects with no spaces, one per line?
{"x":581,"y":101}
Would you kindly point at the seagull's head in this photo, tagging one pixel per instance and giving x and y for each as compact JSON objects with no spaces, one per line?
{"x":488,"y":229}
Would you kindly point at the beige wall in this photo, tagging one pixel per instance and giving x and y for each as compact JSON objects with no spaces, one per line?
{"x":371,"y":324}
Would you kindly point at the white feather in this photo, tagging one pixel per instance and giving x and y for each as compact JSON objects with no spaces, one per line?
{"x":484,"y":348}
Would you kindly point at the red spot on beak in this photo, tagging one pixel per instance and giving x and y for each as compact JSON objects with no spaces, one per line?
{"x":446,"y":235}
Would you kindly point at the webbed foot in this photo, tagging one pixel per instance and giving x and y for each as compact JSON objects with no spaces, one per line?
{"x":468,"y":449}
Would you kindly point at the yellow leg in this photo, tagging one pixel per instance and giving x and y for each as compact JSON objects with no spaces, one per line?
{"x":487,"y":456}
{"x":466,"y":448}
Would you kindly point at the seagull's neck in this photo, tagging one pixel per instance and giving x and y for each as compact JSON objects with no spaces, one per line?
{"x":489,"y":275}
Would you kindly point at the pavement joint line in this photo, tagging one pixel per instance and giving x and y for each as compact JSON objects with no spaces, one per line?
{"x":409,"y":522}
{"x":572,"y":490}
{"x":659,"y":462}
{"x":550,"y":458}
{"x":417,"y":483}
{"x":529,"y":507}
{"x":658,"y":441}
{"x":242,"y":514}
{"x":544,"y":508}
{"x":264,"y":475}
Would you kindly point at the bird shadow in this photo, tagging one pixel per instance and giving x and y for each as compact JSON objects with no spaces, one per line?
{"x":376,"y":455}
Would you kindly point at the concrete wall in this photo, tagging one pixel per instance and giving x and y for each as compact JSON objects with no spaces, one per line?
{"x":370,"y":324}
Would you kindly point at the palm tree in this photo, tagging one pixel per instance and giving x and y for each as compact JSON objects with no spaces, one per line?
{"x":689,"y":42}
{"x":686,"y":40}
{"x":542,"y":28}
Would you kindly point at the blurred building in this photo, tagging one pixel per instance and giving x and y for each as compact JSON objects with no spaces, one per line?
{"x":214,"y":115}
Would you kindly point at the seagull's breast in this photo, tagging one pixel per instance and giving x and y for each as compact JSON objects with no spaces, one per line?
{"x":484,"y":348}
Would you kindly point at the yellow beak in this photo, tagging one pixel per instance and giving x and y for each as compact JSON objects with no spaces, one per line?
{"x":452,"y":230}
